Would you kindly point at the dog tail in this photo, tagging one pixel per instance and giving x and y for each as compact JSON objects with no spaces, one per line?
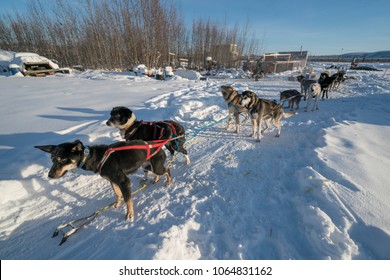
{"x":289,"y":114}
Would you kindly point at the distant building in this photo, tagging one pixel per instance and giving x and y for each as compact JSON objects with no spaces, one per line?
{"x":225,"y":55}
{"x":283,"y":61}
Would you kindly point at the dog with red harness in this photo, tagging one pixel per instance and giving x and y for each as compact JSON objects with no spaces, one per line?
{"x":113,"y":162}
{"x":131,"y":129}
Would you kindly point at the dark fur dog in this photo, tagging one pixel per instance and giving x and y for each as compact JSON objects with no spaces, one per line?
{"x":326,"y":83}
{"x":130,"y":129}
{"x":260,"y":109}
{"x":232,"y":100}
{"x":339,"y":78}
{"x":114,"y":168}
{"x":292,"y":96}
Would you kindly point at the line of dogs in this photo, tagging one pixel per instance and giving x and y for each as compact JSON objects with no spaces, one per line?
{"x":139,"y":150}
{"x":326,"y":81}
{"x":311,"y":90}
{"x":294,"y":97}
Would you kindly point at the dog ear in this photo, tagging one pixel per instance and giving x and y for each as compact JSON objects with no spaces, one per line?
{"x":77,"y":146}
{"x":48,"y":148}
{"x":128,"y":112}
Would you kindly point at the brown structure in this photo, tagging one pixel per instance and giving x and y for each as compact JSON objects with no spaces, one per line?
{"x":283,"y":61}
{"x":226,"y":55}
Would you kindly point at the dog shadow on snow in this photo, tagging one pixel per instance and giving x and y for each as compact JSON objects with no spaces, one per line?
{"x":86,"y":114}
{"x":30,"y":139}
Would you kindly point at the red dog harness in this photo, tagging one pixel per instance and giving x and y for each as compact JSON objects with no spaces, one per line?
{"x":155,"y":144}
{"x":158,"y":131}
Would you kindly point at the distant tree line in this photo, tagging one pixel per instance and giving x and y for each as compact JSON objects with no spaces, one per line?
{"x":111,"y":34}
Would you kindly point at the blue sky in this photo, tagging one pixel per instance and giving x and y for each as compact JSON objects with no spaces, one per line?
{"x":321,"y":27}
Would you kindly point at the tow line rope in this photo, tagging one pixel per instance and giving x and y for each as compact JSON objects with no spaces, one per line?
{"x":78,"y":224}
{"x":196,"y":132}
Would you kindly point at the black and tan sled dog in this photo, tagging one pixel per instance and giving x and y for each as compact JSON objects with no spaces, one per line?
{"x":114,"y":162}
{"x":131,"y":129}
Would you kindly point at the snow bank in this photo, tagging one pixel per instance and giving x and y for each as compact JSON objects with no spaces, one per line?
{"x":187,"y":74}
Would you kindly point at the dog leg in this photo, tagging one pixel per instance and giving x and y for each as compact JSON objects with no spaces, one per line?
{"x":187,"y":159}
{"x":253,"y":134}
{"x":183,"y":150}
{"x":145,"y":178}
{"x":130,"y":210}
{"x":291,"y":105}
{"x":267,"y":124}
{"x":315,"y":103}
{"x":258,"y":134}
{"x":170,"y":148}
{"x":230,"y":120}
{"x":156,"y":179}
{"x":278,"y":126}
{"x":169,"y":178}
{"x":129,"y":201}
{"x":307,"y":104}
{"x":118,"y":193}
{"x":157,"y":163}
{"x":124,"y":183}
{"x":169,"y":162}
{"x":147,"y":167}
{"x":237,"y":117}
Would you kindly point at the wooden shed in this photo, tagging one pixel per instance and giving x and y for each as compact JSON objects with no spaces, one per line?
{"x":283,"y":61}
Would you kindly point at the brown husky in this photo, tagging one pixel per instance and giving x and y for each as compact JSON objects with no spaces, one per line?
{"x":232,"y":99}
{"x":260,"y":109}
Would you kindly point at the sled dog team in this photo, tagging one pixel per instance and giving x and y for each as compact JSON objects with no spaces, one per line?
{"x":144,"y":141}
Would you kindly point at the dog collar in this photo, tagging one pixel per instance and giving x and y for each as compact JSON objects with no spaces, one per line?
{"x":133,"y":129}
{"x":85,"y":155}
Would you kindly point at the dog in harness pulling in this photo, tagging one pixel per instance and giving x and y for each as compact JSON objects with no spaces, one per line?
{"x":113,"y":162}
{"x":131,"y":129}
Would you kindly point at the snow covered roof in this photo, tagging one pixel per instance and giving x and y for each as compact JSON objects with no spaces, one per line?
{"x":8,"y":57}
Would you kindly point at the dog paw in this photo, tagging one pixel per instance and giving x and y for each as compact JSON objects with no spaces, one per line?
{"x":156,"y":179}
{"x":129,"y":219}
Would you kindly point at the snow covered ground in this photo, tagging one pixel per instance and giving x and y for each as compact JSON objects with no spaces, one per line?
{"x":320,"y":191}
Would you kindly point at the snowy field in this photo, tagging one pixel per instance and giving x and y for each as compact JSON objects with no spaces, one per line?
{"x":320,"y":191}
